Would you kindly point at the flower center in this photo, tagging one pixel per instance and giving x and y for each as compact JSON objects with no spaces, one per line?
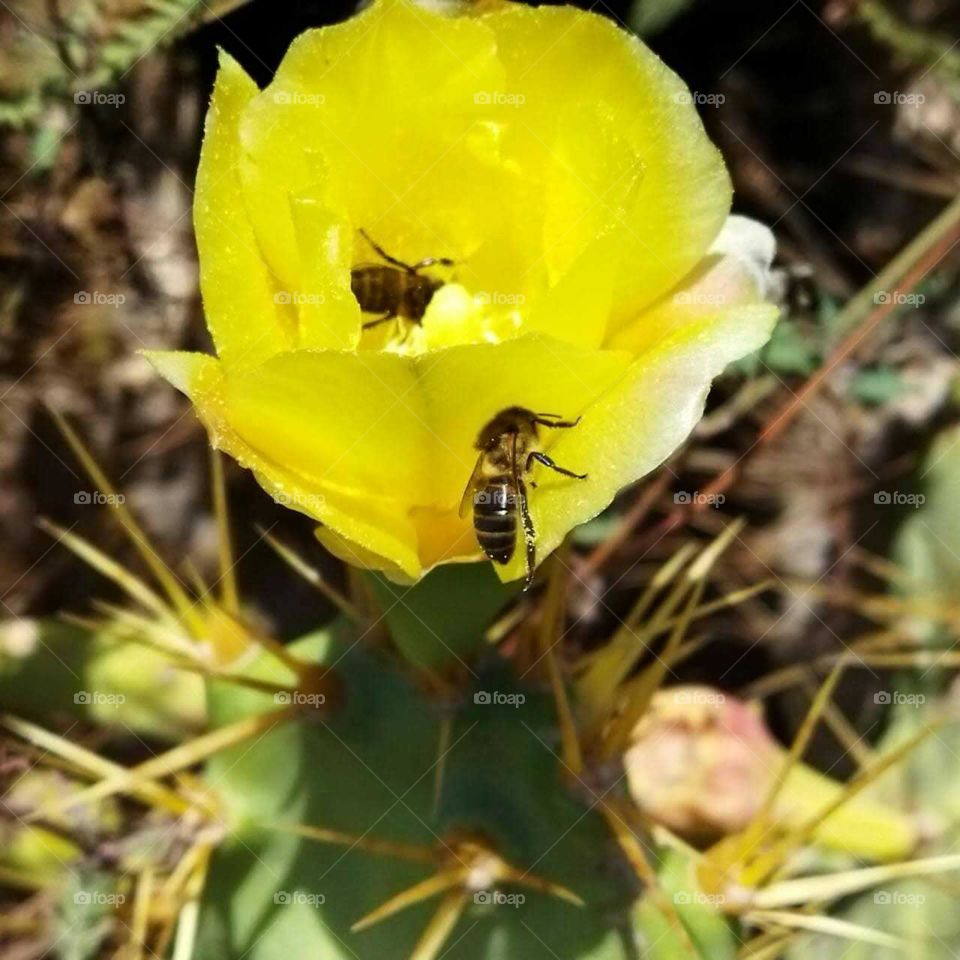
{"x":453,"y":316}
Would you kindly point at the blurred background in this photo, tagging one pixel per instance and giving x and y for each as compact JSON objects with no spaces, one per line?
{"x":840,"y":122}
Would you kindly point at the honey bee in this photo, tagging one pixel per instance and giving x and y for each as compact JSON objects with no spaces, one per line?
{"x":394,"y":288}
{"x":497,"y":486}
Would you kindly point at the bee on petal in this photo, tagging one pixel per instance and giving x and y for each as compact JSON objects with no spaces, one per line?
{"x":497,"y":489}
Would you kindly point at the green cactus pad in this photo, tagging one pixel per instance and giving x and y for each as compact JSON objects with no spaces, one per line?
{"x":368,"y":769}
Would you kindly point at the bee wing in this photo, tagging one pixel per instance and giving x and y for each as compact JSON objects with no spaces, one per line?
{"x":467,"y":497}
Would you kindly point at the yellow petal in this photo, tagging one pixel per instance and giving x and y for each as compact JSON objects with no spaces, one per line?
{"x":354,"y":422}
{"x":329,"y":315}
{"x":633,"y":121}
{"x":245,"y":320}
{"x":346,"y":546}
{"x":379,"y":532}
{"x":186,"y":371}
{"x":578,"y":306}
{"x":640,"y":421}
{"x":722,"y":282}
{"x":385,"y":102}
{"x":440,"y":536}
{"x":377,"y":524}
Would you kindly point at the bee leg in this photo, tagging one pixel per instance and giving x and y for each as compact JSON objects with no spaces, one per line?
{"x":389,"y":315}
{"x":529,"y":534}
{"x":559,"y":424}
{"x":386,"y":256}
{"x":432,"y":261}
{"x":547,"y":462}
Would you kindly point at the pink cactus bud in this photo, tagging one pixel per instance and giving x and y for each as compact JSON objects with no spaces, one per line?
{"x":700,"y":762}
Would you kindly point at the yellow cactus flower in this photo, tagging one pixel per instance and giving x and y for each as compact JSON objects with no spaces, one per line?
{"x":562,"y":168}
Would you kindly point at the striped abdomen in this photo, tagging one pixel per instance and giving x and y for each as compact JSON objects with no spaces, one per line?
{"x":389,"y":290}
{"x":377,"y":289}
{"x":495,"y":518}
